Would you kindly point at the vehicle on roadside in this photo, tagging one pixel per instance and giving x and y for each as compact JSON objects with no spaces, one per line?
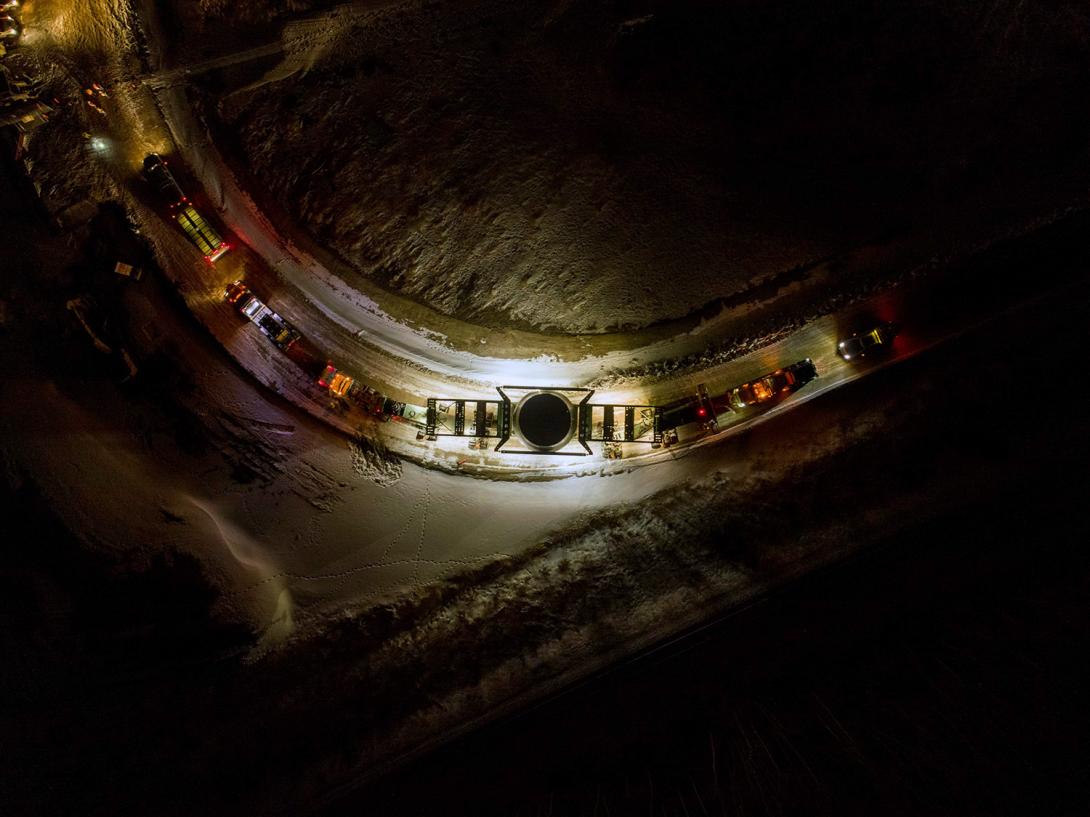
{"x":14,"y":88}
{"x":874,"y":341}
{"x":157,"y":172}
{"x":274,"y":327}
{"x":336,"y":381}
{"x":772,"y":386}
{"x":25,"y":116}
{"x":128,"y":271}
{"x":9,"y":5}
{"x":9,"y":28}
{"x":201,"y":233}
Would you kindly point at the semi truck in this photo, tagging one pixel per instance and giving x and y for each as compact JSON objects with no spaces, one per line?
{"x":196,"y":228}
{"x":274,"y":327}
{"x":772,"y":386}
{"x":157,"y":172}
{"x":336,"y":381}
{"x":373,"y":402}
{"x":704,"y":409}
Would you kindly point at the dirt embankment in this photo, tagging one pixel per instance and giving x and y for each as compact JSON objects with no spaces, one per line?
{"x":575,"y":167}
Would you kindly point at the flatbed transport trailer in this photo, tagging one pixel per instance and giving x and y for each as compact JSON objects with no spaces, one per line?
{"x":621,"y":424}
{"x":201,"y":233}
{"x":479,"y":420}
{"x":194,"y":225}
{"x":483,"y":419}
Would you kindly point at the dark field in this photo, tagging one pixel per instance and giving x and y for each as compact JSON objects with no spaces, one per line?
{"x":943,"y":674}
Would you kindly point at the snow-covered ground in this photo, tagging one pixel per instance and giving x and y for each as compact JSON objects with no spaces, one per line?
{"x":303,"y":530}
{"x":320,"y":532}
{"x":574,"y":168}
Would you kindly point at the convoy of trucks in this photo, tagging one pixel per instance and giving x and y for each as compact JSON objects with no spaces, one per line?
{"x":338,"y":383}
{"x":275,"y":327}
{"x":704,"y":409}
{"x":662,"y":422}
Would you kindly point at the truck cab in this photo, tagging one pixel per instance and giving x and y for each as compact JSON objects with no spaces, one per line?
{"x":166,"y":186}
{"x":336,"y":381}
{"x":274,"y":327}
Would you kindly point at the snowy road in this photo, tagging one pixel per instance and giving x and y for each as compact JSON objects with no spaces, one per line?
{"x":321,"y":534}
{"x":448,"y":348}
{"x":356,"y":313}
{"x":353,"y":329}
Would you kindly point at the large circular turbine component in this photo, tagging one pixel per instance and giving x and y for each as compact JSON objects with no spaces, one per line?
{"x":545,"y":420}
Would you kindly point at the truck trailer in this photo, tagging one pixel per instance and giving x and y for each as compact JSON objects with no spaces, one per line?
{"x":204,"y":238}
{"x":193,"y":224}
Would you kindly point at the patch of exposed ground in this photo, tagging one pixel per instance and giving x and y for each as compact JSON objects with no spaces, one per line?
{"x":371,"y":459}
{"x":582,"y":167}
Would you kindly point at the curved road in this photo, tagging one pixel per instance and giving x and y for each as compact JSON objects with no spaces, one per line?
{"x":353,"y":329}
{"x":322,"y":533}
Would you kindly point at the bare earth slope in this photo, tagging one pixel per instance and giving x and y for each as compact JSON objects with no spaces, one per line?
{"x":582,"y":166}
